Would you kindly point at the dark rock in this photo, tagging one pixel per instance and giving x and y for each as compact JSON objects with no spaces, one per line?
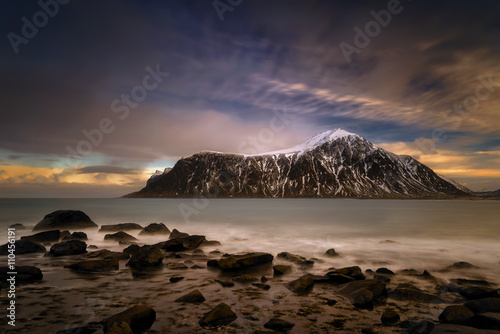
{"x":155,"y":229}
{"x":411,"y":292}
{"x":19,"y":227}
{"x":456,"y":314}
{"x":89,"y":329}
{"x":281,"y":270}
{"x":292,"y":257}
{"x":79,"y":235}
{"x":226,"y":284}
{"x":175,"y":279}
{"x":120,"y":236}
{"x":107,"y":254}
{"x":221,"y":315}
{"x":339,"y":278}
{"x":363,"y":293}
{"x":182,"y":243}
{"x":384,"y":271}
{"x":461,"y":265}
{"x":382,"y":278}
{"x":237,"y":262}
{"x":458,"y":329}
{"x":120,"y":227}
{"x":146,"y":256}
{"x":66,"y":235}
{"x":478,"y":292}
{"x":279,"y":325}
{"x":210,"y":243}
{"x":245,"y":279}
{"x":319,"y":278}
{"x":131,"y":249}
{"x":71,"y":247}
{"x":41,"y":237}
{"x":354,"y":272}
{"x":23,"y":247}
{"x":331,"y":302}
{"x":95,"y":265}
{"x":65,"y":219}
{"x":488,"y":320}
{"x":264,"y":279}
{"x":331,"y":252}
{"x":261,"y":286}
{"x":176,"y":234}
{"x":421,"y":327}
{"x":194,"y":297}
{"x":176,"y":266}
{"x":139,"y":318}
{"x":390,"y":317}
{"x":484,"y":305}
{"x":302,"y":285}
{"x":470,"y":282}
{"x":25,"y":274}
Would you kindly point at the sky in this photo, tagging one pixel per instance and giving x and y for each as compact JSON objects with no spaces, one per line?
{"x":97,"y":95}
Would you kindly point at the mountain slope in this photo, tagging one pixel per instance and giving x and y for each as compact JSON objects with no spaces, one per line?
{"x":332,"y":164}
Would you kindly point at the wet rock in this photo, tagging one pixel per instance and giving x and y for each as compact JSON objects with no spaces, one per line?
{"x":25,"y":274}
{"x":302,"y":285}
{"x":120,"y":236}
{"x":155,"y":229}
{"x":146,"y":257}
{"x":319,"y":278}
{"x":210,"y":243}
{"x":131,"y":249}
{"x":237,"y":262}
{"x":470,"y":282}
{"x":295,"y":258}
{"x":194,"y":297}
{"x":331,"y":302}
{"x":478,"y":292}
{"x":364,"y":293}
{"x":264,"y":279}
{"x":421,"y":327}
{"x":245,"y":279}
{"x":456,"y":314}
{"x":458,"y":329}
{"x":70,"y":247}
{"x":331,"y":252}
{"x":66,"y":235}
{"x":46,"y":236}
{"x":139,"y":318}
{"x":488,"y":320}
{"x":262,"y":286}
{"x":23,"y":247}
{"x":65,"y":219}
{"x":19,"y":227}
{"x":182,"y":243}
{"x":390,"y":317}
{"x":175,"y":279}
{"x":176,"y":266}
{"x":461,"y":265}
{"x":79,"y":235}
{"x":281,"y":270}
{"x":221,"y":315}
{"x":95,"y":265}
{"x":279,"y":325}
{"x":484,"y":305}
{"x":382,"y":278}
{"x":107,"y":254}
{"x":120,"y":227}
{"x":176,"y":234}
{"x":384,"y":271}
{"x":120,"y":328}
{"x":339,"y":278}
{"x":411,"y":292}
{"x":226,"y":284}
{"x":354,"y":272}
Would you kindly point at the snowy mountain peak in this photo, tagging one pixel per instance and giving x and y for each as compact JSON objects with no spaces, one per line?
{"x":313,"y":142}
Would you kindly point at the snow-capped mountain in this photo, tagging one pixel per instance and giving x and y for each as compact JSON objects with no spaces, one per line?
{"x":331,"y":164}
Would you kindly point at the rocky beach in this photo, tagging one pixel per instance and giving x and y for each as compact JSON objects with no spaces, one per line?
{"x":75,"y":275}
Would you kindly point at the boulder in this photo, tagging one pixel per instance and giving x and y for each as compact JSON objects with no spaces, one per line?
{"x":303,"y":284}
{"x":382,"y":278}
{"x":155,"y":229}
{"x":66,"y":235}
{"x":478,"y":292}
{"x":176,"y":234}
{"x":70,"y":247}
{"x":384,"y":271}
{"x":120,"y":227}
{"x":460,"y":265}
{"x":390,"y":317}
{"x":65,"y":219}
{"x":279,"y":325}
{"x":295,"y":258}
{"x":331,"y":252}
{"x":120,"y":236}
{"x":488,"y":320}
{"x":221,"y":315}
{"x":281,"y":270}
{"x":19,"y":227}
{"x":411,"y":292}
{"x":120,"y":328}
{"x":194,"y":297}
{"x":470,"y":282}
{"x":354,"y":272}
{"x":25,"y":274}
{"x":458,"y":329}
{"x":337,"y":278}
{"x":23,"y":247}
{"x":237,"y":262}
{"x":364,"y":293}
{"x":146,"y":256}
{"x":484,"y":305}
{"x":182,"y":243}
{"x":107,"y":254}
{"x":79,"y":235}
{"x":131,"y":249}
{"x":95,"y":265}
{"x":41,"y":237}
{"x":139,"y":318}
{"x":456,"y":314}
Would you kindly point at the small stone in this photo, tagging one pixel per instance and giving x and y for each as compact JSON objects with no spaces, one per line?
{"x":331,"y":252}
{"x":175,"y":279}
{"x":279,"y":325}
{"x":221,"y":315}
{"x":193,"y":297}
{"x":281,"y":270}
{"x":390,"y":317}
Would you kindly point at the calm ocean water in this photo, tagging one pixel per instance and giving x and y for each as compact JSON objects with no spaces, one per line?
{"x":427,"y":233}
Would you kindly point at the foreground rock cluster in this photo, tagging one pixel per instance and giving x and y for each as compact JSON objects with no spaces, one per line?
{"x":339,"y":294}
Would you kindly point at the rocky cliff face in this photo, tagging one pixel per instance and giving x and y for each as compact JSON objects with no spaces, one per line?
{"x":332,"y":164}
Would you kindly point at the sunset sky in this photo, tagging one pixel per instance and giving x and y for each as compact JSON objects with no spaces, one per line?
{"x":103,"y":93}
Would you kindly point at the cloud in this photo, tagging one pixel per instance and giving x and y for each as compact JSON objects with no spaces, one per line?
{"x":106,"y":170}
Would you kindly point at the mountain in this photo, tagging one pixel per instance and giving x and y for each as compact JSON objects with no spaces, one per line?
{"x":495,"y":193}
{"x":334,"y":163}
